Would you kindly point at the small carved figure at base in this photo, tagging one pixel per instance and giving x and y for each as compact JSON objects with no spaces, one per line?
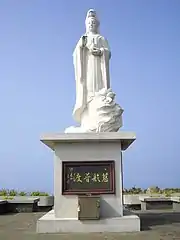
{"x":102,"y":114}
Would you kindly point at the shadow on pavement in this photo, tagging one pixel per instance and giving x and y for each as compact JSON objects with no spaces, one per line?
{"x":8,"y":214}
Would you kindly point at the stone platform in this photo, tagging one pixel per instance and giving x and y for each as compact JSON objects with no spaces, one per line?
{"x":88,"y":148}
{"x":51,"y":224}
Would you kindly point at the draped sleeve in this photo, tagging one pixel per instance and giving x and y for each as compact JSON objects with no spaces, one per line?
{"x":79,"y":69}
{"x":106,"y":55}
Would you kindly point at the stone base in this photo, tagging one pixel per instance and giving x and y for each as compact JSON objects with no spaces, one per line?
{"x":50,"y":224}
{"x":152,"y":203}
{"x":176,"y":206}
{"x":3,"y":206}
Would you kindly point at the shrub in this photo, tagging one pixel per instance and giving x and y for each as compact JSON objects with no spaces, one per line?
{"x":12,"y":192}
{"x":135,"y":190}
{"x":153,"y":190}
{"x":37,"y":193}
{"x":3,"y":192}
{"x":22,"y":193}
{"x":8,"y":197}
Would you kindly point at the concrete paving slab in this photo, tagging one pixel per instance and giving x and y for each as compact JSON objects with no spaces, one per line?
{"x":162,"y":225}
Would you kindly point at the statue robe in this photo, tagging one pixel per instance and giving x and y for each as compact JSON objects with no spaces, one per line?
{"x":91,"y":72}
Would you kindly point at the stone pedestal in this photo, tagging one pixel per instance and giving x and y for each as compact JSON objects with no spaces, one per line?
{"x":88,"y":147}
{"x":150,"y":203}
{"x":176,"y":203}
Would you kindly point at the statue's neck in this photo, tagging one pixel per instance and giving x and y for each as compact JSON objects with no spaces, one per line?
{"x":91,"y":34}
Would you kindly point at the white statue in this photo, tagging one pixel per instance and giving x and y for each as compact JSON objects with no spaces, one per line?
{"x":95,"y":109}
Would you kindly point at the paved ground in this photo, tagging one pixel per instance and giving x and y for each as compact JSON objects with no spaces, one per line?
{"x":155,"y":226}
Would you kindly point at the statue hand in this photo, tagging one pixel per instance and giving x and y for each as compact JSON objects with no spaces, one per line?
{"x":96,"y":51}
{"x":82,"y":42}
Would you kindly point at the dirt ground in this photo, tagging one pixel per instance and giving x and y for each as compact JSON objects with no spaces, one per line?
{"x":155,"y":225}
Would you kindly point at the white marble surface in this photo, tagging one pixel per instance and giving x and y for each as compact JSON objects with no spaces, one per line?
{"x":65,"y":206}
{"x":49,"y":223}
{"x":95,"y":109}
{"x":124,"y":139}
{"x":101,"y":115}
{"x":175,"y":199}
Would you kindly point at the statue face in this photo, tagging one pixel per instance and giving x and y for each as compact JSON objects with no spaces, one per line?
{"x":92,"y":25}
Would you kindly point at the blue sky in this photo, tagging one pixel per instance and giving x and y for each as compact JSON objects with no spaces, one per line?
{"x":37,"y":86}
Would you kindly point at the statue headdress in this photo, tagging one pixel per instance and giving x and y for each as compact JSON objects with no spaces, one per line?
{"x":92,"y":14}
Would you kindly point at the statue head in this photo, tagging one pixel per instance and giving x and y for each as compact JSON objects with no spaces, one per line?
{"x":92,"y":22}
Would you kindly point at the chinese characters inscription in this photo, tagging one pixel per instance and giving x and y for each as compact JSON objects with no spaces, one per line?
{"x":88,"y":176}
